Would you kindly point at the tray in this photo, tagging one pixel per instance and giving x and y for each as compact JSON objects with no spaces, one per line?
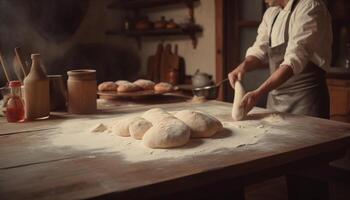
{"x":142,"y":93}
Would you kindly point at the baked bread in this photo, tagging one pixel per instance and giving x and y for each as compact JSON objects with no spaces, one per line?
{"x":163,"y":87}
{"x":145,"y":84}
{"x":107,"y":86}
{"x":128,"y":87}
{"x":122,"y":82}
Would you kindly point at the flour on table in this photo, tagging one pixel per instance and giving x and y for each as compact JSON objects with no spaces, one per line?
{"x":273,"y":118}
{"x":76,"y":134}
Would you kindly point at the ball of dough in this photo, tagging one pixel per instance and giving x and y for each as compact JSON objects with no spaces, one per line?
{"x":130,"y":87}
{"x":145,"y":84}
{"x":121,"y":126}
{"x":238,"y":112}
{"x":122,"y":82}
{"x":156,"y":114}
{"x":98,"y":128}
{"x":202,"y":125}
{"x":167,"y":133}
{"x":163,"y":87}
{"x":138,"y":128}
{"x":107,"y":86}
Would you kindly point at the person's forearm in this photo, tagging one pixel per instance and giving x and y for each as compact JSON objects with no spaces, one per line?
{"x":280,"y":76}
{"x":251,"y":63}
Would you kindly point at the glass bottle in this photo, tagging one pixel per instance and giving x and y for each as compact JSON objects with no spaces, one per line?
{"x":15,"y":105}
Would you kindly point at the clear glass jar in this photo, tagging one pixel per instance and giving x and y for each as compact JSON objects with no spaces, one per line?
{"x":15,"y":105}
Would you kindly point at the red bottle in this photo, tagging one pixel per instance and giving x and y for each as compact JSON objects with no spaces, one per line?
{"x":15,"y":105}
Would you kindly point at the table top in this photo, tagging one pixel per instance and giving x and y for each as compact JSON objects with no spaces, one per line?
{"x":33,"y":166}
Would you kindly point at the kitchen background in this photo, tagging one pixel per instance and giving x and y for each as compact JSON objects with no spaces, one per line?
{"x":71,"y":34}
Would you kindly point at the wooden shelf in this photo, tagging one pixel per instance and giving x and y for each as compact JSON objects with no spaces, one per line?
{"x":157,"y":32}
{"x":139,"y":4}
{"x":190,"y":31}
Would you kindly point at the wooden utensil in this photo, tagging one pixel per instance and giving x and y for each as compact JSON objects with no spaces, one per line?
{"x":19,"y":56}
{"x":153,"y":64}
{"x":169,"y":62}
{"x":182,"y":66}
{"x":4,"y":67}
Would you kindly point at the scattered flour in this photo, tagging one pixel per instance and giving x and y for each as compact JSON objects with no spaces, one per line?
{"x":77,"y":134}
{"x":273,"y":118}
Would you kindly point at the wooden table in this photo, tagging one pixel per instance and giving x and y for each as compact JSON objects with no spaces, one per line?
{"x":32,"y":169}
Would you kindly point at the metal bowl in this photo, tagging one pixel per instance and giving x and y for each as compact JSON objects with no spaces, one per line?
{"x":208,"y":92}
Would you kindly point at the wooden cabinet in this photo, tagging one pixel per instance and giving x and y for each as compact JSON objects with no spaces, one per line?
{"x":339,"y":91}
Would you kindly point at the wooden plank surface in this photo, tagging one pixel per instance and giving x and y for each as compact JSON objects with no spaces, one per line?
{"x":31,"y":167}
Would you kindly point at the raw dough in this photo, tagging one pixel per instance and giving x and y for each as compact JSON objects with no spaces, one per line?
{"x":107,"y":86}
{"x":156,"y":114}
{"x":121,"y":126}
{"x":238,"y":113}
{"x":145,"y":84}
{"x":138,"y":128}
{"x":202,"y":125}
{"x":98,"y":128}
{"x":163,"y":87}
{"x":128,"y":87}
{"x":167,"y":133}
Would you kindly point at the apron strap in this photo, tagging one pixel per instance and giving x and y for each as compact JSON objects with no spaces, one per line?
{"x":286,"y":32}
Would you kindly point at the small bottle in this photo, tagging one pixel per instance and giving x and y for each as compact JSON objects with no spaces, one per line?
{"x":36,"y":91}
{"x":15,"y":105}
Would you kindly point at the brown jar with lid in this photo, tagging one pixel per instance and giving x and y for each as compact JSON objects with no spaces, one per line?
{"x":82,"y":91}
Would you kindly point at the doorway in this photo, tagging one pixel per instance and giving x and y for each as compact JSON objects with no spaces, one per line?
{"x":237,"y":22}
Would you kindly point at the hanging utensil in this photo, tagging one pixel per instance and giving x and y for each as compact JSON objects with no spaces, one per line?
{"x":4,"y":67}
{"x":209,"y":92}
{"x":20,"y":59}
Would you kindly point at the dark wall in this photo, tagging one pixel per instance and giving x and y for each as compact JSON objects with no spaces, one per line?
{"x":69,"y":34}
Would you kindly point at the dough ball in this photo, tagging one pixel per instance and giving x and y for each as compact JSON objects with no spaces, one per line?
{"x":145,"y":84}
{"x":98,"y":128}
{"x":130,"y":87}
{"x":202,"y":125}
{"x":138,"y":127}
{"x":107,"y":86}
{"x":121,"y":126}
{"x":163,"y":87}
{"x":122,"y":82}
{"x":167,"y":133}
{"x":238,"y":112}
{"x":156,"y":114}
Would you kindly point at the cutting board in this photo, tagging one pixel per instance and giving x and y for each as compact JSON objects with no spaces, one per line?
{"x":169,"y":61}
{"x":153,"y":64}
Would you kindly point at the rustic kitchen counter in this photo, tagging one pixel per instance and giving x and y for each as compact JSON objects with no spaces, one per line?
{"x":33,"y":167}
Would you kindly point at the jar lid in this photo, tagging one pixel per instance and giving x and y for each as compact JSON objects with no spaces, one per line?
{"x":14,"y":84}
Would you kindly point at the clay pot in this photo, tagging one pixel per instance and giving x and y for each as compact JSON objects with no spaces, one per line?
{"x":82,"y":89}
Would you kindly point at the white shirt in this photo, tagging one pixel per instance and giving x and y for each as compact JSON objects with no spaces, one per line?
{"x":310,"y":35}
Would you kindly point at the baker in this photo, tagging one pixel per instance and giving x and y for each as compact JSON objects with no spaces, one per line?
{"x":295,"y":41}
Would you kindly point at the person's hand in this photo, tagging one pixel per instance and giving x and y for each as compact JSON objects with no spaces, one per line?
{"x":250,"y":100}
{"x":236,"y":74}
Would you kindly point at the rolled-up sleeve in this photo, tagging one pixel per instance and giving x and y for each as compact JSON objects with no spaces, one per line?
{"x":304,"y":38}
{"x":261,"y":44}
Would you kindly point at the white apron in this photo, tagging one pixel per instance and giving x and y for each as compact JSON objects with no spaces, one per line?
{"x":305,"y":93}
